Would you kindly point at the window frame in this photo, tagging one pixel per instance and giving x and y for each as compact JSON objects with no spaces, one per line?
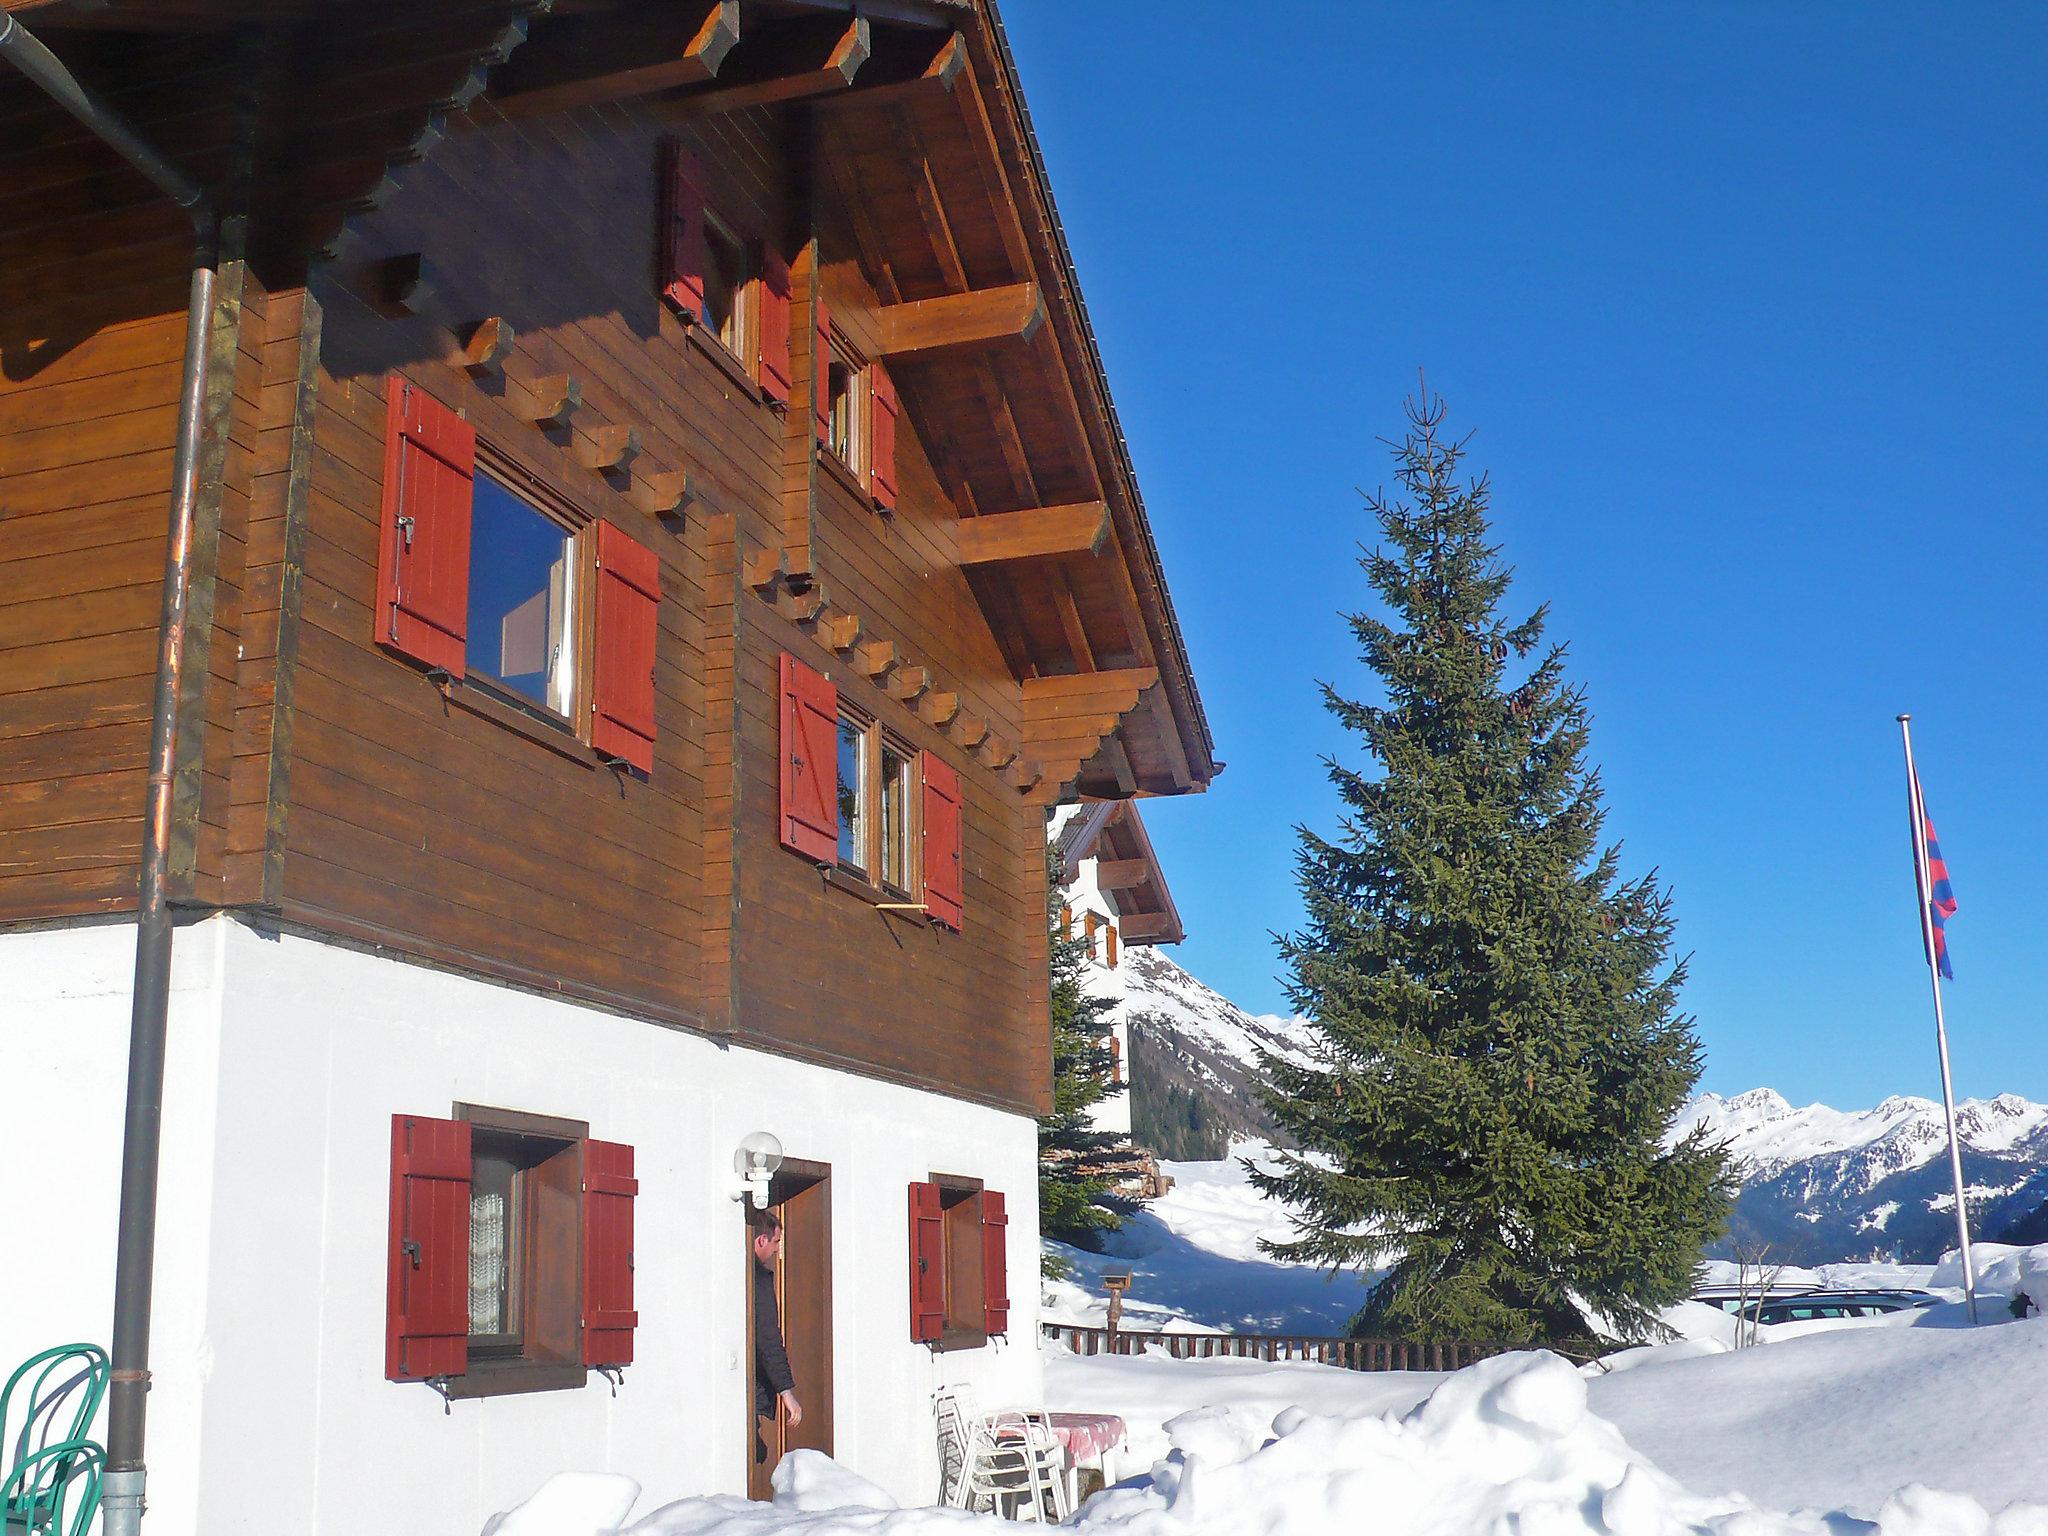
{"x":495,"y":464}
{"x":864,"y":727}
{"x":876,"y":878}
{"x":549,"y":1286}
{"x":853,"y":456}
{"x":744,"y":344}
{"x":960,"y":1203}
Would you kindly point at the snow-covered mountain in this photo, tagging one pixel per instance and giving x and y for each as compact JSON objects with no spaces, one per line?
{"x":1194,"y":1055}
{"x":1822,"y":1184}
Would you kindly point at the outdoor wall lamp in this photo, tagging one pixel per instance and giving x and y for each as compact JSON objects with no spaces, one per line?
{"x":756,"y":1160}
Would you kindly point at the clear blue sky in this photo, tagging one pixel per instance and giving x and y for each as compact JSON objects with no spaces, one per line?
{"x":1748,"y":307}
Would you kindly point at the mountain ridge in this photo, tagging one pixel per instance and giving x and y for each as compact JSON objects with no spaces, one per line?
{"x":1819,"y":1184}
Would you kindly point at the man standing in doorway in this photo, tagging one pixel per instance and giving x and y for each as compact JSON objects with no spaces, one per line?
{"x":773,"y":1382}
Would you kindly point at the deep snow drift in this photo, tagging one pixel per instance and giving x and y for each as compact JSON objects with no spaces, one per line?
{"x":1512,"y":1447}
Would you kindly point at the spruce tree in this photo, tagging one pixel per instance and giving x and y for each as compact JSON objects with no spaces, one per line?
{"x":1497,"y":1046}
{"x":1074,"y":1182}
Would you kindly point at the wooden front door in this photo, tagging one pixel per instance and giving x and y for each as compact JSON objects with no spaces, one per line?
{"x":801,"y":1194}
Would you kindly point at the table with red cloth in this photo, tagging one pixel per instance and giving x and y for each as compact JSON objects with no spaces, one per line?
{"x":1086,"y":1437}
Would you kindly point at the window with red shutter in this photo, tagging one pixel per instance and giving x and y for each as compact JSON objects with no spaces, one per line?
{"x":423,"y":548}
{"x":944,"y":884}
{"x":995,"y":1263}
{"x":684,"y":252}
{"x":774,"y":369}
{"x":810,"y":762}
{"x":622,"y":664}
{"x":927,"y":1263}
{"x":607,"y":1259}
{"x":821,"y":360}
{"x":882,"y":414}
{"x":426,"y":1308}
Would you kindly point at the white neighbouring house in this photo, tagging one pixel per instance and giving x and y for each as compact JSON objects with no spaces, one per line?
{"x":1113,"y":896}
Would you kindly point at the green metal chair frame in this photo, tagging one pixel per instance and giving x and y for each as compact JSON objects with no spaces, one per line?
{"x":39,"y":1494}
{"x":42,"y":1462}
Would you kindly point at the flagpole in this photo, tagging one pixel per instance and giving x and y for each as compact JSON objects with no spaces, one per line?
{"x":1922,"y":878}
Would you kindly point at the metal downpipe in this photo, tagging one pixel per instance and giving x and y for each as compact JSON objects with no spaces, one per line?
{"x":135,"y":1259}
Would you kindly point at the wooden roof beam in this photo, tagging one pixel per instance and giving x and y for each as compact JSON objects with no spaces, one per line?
{"x":1122,"y":874}
{"x":578,"y":61}
{"x":1091,"y":684}
{"x":926,"y":328}
{"x":1036,"y":533}
{"x":905,"y":67}
{"x":786,"y":62}
{"x":1150,"y":928}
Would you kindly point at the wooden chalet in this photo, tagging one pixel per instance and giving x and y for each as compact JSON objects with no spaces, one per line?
{"x":659,"y":542}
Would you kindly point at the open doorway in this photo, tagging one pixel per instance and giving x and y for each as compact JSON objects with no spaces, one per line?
{"x":801,"y":1194}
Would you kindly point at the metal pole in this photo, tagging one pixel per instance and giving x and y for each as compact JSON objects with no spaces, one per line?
{"x":125,"y":1482}
{"x":1923,"y":878}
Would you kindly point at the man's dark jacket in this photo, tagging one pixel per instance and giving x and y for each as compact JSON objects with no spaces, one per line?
{"x":771,"y":1360}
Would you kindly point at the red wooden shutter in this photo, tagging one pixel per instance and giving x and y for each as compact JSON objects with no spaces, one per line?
{"x":775,"y":367}
{"x":810,"y":762}
{"x":995,"y":1264}
{"x":821,"y":359}
{"x":882,"y":436}
{"x":927,"y":1264}
{"x":607,"y":1301}
{"x":426,"y":1302}
{"x":684,"y":253}
{"x":423,"y":549}
{"x":943,"y":884}
{"x":622,"y":668}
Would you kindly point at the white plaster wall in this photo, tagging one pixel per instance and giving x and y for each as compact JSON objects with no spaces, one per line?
{"x":289,"y":1057}
{"x":1081,"y":896}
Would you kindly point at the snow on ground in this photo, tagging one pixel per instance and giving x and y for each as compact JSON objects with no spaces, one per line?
{"x":1841,"y":1416}
{"x":1521,"y":1445}
{"x":1195,"y":1265}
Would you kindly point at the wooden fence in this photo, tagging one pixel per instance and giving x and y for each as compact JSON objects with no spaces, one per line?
{"x":1350,"y":1354}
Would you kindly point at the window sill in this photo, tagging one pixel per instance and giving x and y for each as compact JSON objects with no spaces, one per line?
{"x":499,"y":1378}
{"x":875,"y":896}
{"x":846,"y":475}
{"x":719,"y":353}
{"x":479,"y":701}
{"x":954,"y":1339}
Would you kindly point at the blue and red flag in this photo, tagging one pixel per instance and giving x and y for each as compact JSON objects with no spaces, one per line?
{"x":1941,"y":896}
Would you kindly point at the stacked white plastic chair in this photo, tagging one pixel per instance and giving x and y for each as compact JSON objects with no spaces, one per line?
{"x":1009,"y":1462}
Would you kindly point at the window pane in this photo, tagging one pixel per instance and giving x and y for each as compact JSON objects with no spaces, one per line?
{"x":853,"y":800}
{"x":725,"y":276}
{"x":490,"y":1249}
{"x":840,"y":396}
{"x":895,"y":818}
{"x":520,"y":592}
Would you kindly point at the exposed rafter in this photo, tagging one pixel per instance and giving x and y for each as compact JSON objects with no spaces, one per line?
{"x":1122,"y":874}
{"x":577,"y":61}
{"x":786,"y":62}
{"x":924,"y":329}
{"x":1037,"y":533}
{"x":906,"y":67}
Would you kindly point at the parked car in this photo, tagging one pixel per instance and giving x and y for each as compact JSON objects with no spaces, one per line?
{"x":1815,"y":1305}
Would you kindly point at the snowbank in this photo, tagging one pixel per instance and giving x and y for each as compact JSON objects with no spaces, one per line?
{"x":1840,"y":1419}
{"x":2002,"y":1273}
{"x":1510,"y":1447}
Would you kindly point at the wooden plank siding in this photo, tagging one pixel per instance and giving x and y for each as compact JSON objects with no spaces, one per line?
{"x":328,"y":785}
{"x":85,"y":473}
